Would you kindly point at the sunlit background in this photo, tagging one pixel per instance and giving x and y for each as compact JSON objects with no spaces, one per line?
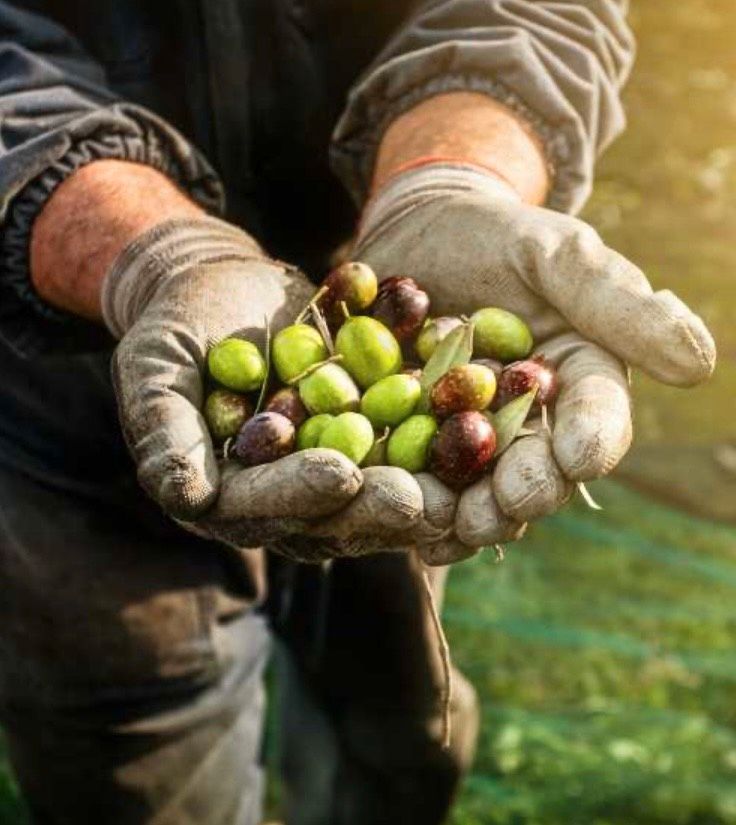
{"x":604,"y":647}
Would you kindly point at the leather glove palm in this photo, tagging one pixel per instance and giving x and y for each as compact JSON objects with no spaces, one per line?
{"x":470,"y":242}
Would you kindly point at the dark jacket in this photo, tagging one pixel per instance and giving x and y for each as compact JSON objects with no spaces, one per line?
{"x":273,"y":107}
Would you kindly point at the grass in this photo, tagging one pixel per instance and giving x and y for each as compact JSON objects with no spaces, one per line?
{"x":603,"y":653}
{"x":603,"y":648}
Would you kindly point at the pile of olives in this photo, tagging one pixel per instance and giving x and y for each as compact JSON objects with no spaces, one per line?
{"x":379,"y":380}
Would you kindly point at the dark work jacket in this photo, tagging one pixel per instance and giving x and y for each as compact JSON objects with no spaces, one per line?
{"x":249,"y":105}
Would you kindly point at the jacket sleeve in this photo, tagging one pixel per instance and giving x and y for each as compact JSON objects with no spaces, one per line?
{"x":559,"y":63}
{"x":56,"y":114}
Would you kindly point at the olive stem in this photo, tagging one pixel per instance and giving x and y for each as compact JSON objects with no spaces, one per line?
{"x":345,"y":310}
{"x":322,"y":328}
{"x":264,"y":385}
{"x":317,"y":295}
{"x":587,"y":498}
{"x":313,"y":368}
{"x":500,"y":552}
{"x":545,"y":417}
{"x":444,"y":657}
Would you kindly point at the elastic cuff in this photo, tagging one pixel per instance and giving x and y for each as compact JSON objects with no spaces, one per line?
{"x":354,"y":155}
{"x":162,"y":253}
{"x":28,"y":324}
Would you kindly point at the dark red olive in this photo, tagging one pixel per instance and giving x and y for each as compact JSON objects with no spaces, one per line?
{"x":402,"y":306}
{"x":288,"y":402}
{"x":522,"y":376}
{"x":264,"y":438}
{"x":462,"y":449}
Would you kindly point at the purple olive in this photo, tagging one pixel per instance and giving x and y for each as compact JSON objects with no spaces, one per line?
{"x":264,"y":438}
{"x":402,"y":306}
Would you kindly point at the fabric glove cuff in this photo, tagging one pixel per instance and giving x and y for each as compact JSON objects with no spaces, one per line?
{"x":162,"y":253}
{"x":420,"y":185}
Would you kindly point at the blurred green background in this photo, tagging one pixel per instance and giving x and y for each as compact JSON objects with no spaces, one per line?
{"x":604,"y":647}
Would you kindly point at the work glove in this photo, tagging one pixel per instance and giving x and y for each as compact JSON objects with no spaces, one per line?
{"x":470,"y":242}
{"x":171,"y":295}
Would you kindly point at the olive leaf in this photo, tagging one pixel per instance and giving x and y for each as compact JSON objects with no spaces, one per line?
{"x":508,"y":422}
{"x":454,"y":350}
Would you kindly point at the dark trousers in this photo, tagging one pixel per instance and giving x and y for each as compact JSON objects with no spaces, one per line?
{"x":131,"y":675}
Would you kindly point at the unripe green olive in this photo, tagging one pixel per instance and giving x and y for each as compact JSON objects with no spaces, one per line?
{"x":409,"y":444}
{"x":237,"y":365}
{"x":389,"y":401}
{"x":350,"y":433}
{"x":369,"y":350}
{"x":500,"y":334}
{"x":329,"y":389}
{"x":295,"y":349}
{"x":308,"y":434}
{"x":434,"y":331}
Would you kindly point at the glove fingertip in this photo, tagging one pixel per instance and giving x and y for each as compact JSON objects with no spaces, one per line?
{"x":587,"y":447}
{"x":687,"y":356}
{"x":183,"y":489}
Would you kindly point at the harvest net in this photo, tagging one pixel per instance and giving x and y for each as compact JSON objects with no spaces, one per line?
{"x":604,"y":654}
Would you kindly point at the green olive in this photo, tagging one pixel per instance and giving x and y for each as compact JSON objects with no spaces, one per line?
{"x":237,"y":365}
{"x":350,"y":433}
{"x":329,"y":389}
{"x":500,"y":334}
{"x":408,"y":446}
{"x":369,"y":350}
{"x":389,"y":401}
{"x":308,"y":434}
{"x":295,"y":349}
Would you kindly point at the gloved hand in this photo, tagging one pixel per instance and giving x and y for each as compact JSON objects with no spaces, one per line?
{"x":172,"y":294}
{"x":470,"y":242}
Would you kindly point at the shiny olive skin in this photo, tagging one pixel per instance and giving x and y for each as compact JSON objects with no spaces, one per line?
{"x":522,"y":376}
{"x":462,"y":449}
{"x":402,"y":306}
{"x":461,"y":388}
{"x":352,"y":283}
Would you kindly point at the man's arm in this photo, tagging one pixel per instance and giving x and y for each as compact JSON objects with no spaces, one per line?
{"x":560,"y":66}
{"x":58,"y":116}
{"x":470,"y":127}
{"x":92,"y":216}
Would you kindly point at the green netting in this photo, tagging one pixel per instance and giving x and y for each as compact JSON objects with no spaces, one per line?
{"x":604,"y":653}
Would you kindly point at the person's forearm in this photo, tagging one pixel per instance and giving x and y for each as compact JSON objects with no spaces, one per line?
{"x":89,"y":220}
{"x":466,"y":126}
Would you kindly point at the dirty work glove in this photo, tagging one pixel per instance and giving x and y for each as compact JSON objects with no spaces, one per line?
{"x":171,"y":295}
{"x":471,"y":242}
